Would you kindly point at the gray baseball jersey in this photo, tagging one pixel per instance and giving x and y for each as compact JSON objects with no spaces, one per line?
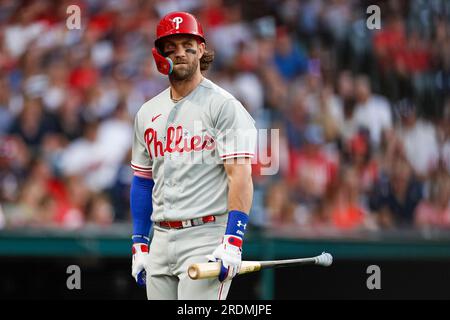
{"x":183,"y":145}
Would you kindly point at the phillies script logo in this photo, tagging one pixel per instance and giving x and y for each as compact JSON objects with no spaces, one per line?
{"x":176,"y":142}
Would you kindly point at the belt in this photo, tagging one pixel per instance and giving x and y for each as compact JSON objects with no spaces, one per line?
{"x":185,"y":223}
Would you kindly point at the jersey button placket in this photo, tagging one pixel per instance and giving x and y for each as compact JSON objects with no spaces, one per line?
{"x":167,"y":186}
{"x":169,"y":169}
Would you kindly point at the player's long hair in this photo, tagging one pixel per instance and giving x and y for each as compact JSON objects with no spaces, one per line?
{"x":206,"y":60}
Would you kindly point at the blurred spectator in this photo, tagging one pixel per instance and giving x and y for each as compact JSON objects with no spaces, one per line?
{"x":344,"y":205}
{"x":229,"y":35}
{"x":446,"y":155}
{"x":309,"y":17}
{"x":117,"y":128}
{"x":414,"y":58}
{"x":24,"y":211}
{"x":277,"y":97}
{"x":289,"y":58}
{"x":83,"y":157}
{"x":296,"y":119}
{"x":336,"y":18}
{"x":312,"y":84}
{"x":120,"y":190}
{"x":101,"y":102}
{"x":56,"y":92}
{"x":71,"y":207}
{"x":343,"y":102}
{"x":33,"y":123}
{"x":312,"y":169}
{"x":371,"y":111}
{"x":70,"y":116}
{"x":397,"y":196}
{"x":212,"y":14}
{"x":434,"y":212}
{"x":329,"y":114}
{"x":280,"y":209}
{"x":84,"y":76}
{"x":99,"y":211}
{"x":147,"y":85}
{"x":14,"y":160}
{"x":418,"y":139}
{"x":6,"y":115}
{"x":360,"y":155}
{"x":25,"y":29}
{"x":345,"y":86}
{"x":444,"y":137}
{"x":245,"y":86}
{"x":389,"y":41}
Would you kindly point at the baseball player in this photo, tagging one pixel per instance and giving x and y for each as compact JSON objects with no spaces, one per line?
{"x":191,"y":158}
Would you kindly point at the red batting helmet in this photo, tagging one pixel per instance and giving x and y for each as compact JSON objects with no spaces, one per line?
{"x":174,"y":23}
{"x":178,"y":23}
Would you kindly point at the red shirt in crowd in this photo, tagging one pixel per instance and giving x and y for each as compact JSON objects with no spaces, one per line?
{"x":314,"y":170}
{"x":428,"y":214}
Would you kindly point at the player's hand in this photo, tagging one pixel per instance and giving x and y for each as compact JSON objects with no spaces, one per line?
{"x":229,"y":252}
{"x":139,"y":262}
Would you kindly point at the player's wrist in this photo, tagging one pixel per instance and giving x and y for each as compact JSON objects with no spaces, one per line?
{"x":237,"y":224}
{"x":140,"y":239}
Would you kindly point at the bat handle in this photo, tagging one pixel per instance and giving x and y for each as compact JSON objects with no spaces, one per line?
{"x":204,"y":270}
{"x":212,"y":269}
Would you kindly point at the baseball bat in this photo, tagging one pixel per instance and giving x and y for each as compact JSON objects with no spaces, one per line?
{"x":212,"y":269}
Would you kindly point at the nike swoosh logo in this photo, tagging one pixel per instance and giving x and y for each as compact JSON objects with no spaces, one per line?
{"x":156,"y":117}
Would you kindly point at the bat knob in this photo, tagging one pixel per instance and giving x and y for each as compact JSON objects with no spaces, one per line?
{"x":325,"y":259}
{"x":193,"y":272}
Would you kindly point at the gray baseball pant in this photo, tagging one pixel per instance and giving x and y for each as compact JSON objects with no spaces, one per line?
{"x":172,"y":251}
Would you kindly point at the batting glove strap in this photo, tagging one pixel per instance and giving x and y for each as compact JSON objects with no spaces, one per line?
{"x":232,"y":242}
{"x":229,"y":252}
{"x":139,"y":260}
{"x":139,"y":248}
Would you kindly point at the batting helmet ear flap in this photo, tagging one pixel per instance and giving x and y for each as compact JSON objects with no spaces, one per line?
{"x":164,"y":64}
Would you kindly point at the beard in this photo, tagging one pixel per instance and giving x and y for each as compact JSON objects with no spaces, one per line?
{"x":186,"y":72}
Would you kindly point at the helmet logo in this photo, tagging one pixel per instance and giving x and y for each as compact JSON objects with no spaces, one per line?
{"x":178,"y":21}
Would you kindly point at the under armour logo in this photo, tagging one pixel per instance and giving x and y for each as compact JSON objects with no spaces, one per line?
{"x":240,"y":224}
{"x":178,"y":21}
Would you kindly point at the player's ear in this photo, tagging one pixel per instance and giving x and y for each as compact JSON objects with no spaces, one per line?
{"x":201,"y":49}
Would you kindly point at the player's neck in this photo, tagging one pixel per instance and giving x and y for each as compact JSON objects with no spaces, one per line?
{"x":180,"y":89}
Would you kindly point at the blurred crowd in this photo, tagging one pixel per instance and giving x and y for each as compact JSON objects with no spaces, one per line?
{"x":363,"y":116}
